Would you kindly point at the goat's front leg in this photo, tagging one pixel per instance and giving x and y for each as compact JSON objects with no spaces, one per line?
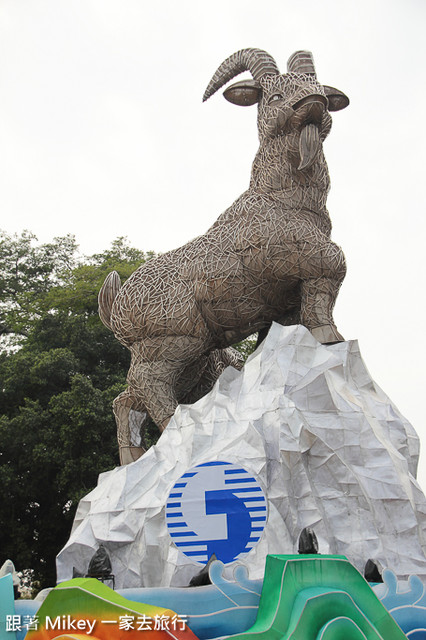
{"x":318,"y":296}
{"x":322,"y":270}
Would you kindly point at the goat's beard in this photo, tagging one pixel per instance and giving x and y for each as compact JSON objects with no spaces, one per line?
{"x":309,"y":145}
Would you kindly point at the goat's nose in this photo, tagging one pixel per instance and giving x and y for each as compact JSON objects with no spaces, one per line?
{"x":311,"y":108}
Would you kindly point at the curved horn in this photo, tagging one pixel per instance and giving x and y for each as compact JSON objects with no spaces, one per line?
{"x":301,"y":62}
{"x":257,"y":61}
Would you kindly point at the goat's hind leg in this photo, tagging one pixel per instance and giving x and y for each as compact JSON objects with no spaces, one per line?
{"x":156,"y":367}
{"x":129,"y":449}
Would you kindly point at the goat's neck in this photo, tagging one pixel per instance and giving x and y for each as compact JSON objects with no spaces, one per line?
{"x":275,"y":174}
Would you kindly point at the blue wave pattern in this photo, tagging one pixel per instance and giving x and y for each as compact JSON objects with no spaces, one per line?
{"x":229,"y":607}
{"x":407,"y":606}
{"x":216,"y":507}
{"x":222,"y":608}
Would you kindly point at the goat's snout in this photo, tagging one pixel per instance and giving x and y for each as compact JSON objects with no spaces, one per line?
{"x":310,"y":109}
{"x":285,"y":118}
{"x":279,"y":123}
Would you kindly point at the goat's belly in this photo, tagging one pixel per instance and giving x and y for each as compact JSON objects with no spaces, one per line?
{"x":233,"y":308}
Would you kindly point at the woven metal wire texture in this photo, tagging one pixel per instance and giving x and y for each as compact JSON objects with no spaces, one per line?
{"x":268,"y":257}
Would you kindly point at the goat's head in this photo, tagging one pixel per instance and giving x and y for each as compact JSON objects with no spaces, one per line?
{"x":289,"y":102}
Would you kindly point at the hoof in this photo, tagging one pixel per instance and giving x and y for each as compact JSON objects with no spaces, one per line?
{"x":164,"y":424}
{"x":327,"y":334}
{"x":130,"y":454}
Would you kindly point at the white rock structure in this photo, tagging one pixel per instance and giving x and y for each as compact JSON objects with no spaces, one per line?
{"x":308,"y":425}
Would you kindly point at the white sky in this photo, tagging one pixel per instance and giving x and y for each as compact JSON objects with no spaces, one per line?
{"x":103,"y":133}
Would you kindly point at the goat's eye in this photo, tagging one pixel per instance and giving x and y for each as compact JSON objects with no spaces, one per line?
{"x":275,"y":97}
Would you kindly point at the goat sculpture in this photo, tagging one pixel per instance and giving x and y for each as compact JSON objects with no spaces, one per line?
{"x":267,"y":258}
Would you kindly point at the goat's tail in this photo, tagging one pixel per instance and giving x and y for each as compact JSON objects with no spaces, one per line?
{"x":106,"y":297}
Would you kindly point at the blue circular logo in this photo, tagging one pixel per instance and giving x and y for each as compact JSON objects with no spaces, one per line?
{"x":216,"y":507}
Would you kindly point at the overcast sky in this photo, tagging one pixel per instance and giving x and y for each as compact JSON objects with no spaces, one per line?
{"x":103,"y":133}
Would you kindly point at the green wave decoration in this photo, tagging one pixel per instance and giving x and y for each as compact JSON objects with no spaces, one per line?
{"x":85,"y":607}
{"x":315,"y":597}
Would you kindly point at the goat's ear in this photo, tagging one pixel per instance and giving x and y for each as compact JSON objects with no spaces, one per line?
{"x":336,"y":99}
{"x":244,"y":93}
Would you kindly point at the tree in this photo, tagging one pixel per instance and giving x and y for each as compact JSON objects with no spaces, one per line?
{"x":60,"y":370}
{"x":57,"y":430}
{"x":27,"y":273}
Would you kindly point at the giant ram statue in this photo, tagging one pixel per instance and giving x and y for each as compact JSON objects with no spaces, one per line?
{"x":267,"y":258}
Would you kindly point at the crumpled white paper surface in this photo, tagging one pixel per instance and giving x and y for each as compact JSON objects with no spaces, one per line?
{"x":328,"y":447}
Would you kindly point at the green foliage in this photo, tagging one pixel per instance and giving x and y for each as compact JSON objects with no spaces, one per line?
{"x":60,"y":370}
{"x":247,"y":346}
{"x":27,"y":273}
{"x":80,"y":294}
{"x":57,"y":430}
